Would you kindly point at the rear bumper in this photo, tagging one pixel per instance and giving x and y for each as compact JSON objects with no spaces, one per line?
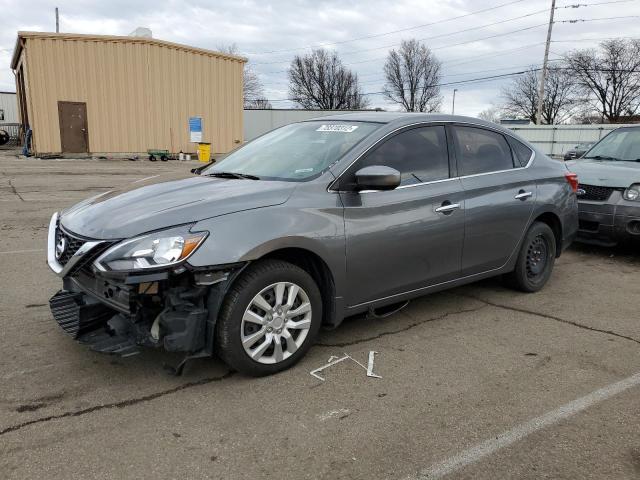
{"x":609,"y":223}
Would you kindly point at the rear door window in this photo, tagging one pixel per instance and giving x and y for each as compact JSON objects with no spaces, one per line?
{"x":521,"y":152}
{"x":481,"y":151}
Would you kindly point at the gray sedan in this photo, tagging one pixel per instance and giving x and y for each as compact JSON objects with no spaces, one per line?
{"x":308,"y":224}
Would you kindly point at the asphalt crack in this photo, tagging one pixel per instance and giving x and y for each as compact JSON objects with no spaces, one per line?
{"x":121,"y":404}
{"x":402,"y":329}
{"x":13,"y":189}
{"x":553,"y":317}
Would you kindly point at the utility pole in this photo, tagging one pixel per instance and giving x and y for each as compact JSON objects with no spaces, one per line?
{"x":453,"y":106}
{"x":57,"y":21}
{"x":543,"y":76}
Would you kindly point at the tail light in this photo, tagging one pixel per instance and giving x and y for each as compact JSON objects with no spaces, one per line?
{"x":572,"y":179}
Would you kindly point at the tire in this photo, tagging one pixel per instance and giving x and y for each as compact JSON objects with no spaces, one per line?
{"x":241,"y":320}
{"x":152,"y":158}
{"x":535,"y":260}
{"x":163,"y":158}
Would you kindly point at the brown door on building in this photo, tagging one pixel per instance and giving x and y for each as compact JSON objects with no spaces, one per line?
{"x":74,"y":136}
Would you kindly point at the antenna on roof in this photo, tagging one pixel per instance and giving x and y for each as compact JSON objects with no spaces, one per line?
{"x":57,"y":21}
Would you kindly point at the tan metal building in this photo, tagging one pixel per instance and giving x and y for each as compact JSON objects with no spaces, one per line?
{"x":110,"y":94}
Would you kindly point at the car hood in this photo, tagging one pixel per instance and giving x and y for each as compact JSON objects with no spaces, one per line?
{"x":163,"y":201}
{"x":605,"y":173}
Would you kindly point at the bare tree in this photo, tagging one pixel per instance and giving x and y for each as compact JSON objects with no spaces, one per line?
{"x":610,"y":76}
{"x":412,"y":75}
{"x":258,"y":104}
{"x":320,"y":80}
{"x":252,"y":88}
{"x":491,"y":114}
{"x":560,"y":96}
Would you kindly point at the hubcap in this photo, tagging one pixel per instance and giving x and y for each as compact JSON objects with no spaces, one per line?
{"x":276,"y":323}
{"x":537,"y":257}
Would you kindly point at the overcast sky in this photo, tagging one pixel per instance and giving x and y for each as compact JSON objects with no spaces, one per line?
{"x":270,"y":33}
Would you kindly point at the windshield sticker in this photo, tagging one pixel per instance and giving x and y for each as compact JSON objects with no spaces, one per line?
{"x":337,"y":128}
{"x":304,"y":170}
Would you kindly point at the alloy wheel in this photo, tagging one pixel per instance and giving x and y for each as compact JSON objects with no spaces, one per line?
{"x":276,"y":323}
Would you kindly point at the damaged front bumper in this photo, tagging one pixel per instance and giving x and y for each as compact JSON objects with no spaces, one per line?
{"x":174,"y":309}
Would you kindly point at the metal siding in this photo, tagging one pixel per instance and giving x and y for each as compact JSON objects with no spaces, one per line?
{"x":258,"y":122}
{"x":9,"y":104}
{"x":138,"y":95}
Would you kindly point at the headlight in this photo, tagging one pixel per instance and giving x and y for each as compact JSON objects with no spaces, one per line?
{"x":632,"y":193}
{"x":154,"y":250}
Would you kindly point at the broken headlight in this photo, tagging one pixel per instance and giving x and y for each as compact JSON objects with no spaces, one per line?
{"x":154,"y":250}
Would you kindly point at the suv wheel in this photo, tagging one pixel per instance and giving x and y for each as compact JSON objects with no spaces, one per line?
{"x":269,"y":318}
{"x":535,"y":260}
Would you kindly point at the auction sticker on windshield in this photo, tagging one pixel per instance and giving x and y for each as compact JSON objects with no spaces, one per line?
{"x":337,"y":128}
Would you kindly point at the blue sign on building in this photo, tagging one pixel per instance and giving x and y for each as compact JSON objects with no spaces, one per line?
{"x":195,"y":129}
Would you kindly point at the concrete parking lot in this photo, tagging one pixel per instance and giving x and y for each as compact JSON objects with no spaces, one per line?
{"x":477,"y":382}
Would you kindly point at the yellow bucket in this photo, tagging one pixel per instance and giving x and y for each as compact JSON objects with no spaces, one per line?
{"x":204,"y":152}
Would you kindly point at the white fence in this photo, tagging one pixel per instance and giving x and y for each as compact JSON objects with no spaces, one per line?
{"x":551,"y":139}
{"x":8,"y":107}
{"x":554,"y":140}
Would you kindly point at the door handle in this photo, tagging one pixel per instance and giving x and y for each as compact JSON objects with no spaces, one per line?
{"x":447,"y":207}
{"x":522,"y":195}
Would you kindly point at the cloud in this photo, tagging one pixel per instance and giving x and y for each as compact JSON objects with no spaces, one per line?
{"x":273,"y":26}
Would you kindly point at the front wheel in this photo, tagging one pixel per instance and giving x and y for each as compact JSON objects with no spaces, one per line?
{"x":535,"y":260}
{"x":269,"y":318}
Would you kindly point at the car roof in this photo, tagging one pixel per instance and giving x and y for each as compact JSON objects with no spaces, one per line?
{"x":406,"y":118}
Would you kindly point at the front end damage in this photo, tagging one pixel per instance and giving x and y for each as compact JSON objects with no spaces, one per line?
{"x":174,"y":309}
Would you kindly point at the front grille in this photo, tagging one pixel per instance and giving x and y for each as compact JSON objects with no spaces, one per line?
{"x":72,"y":245}
{"x":86,"y":261}
{"x":75,"y":316}
{"x":595,"y":193}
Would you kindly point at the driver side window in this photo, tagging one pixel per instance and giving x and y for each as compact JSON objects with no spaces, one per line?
{"x":419,"y":154}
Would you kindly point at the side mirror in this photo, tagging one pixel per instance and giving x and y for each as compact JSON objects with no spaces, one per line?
{"x":377,"y":177}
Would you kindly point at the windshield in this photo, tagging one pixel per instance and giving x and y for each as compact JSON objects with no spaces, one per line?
{"x":622,"y":144}
{"x":295,"y":152}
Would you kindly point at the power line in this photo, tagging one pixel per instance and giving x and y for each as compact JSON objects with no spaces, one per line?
{"x":382,"y":79}
{"x":595,"y":39}
{"x":389,"y":32}
{"x":446,"y":20}
{"x":479,"y":79}
{"x":483,"y":38}
{"x":578,"y":5}
{"x":480,"y":27}
{"x":491,"y":77}
{"x":439,"y":47}
{"x":582,"y":20}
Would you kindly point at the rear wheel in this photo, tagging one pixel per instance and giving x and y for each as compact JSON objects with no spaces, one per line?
{"x":535,"y":260}
{"x":269,"y":318}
